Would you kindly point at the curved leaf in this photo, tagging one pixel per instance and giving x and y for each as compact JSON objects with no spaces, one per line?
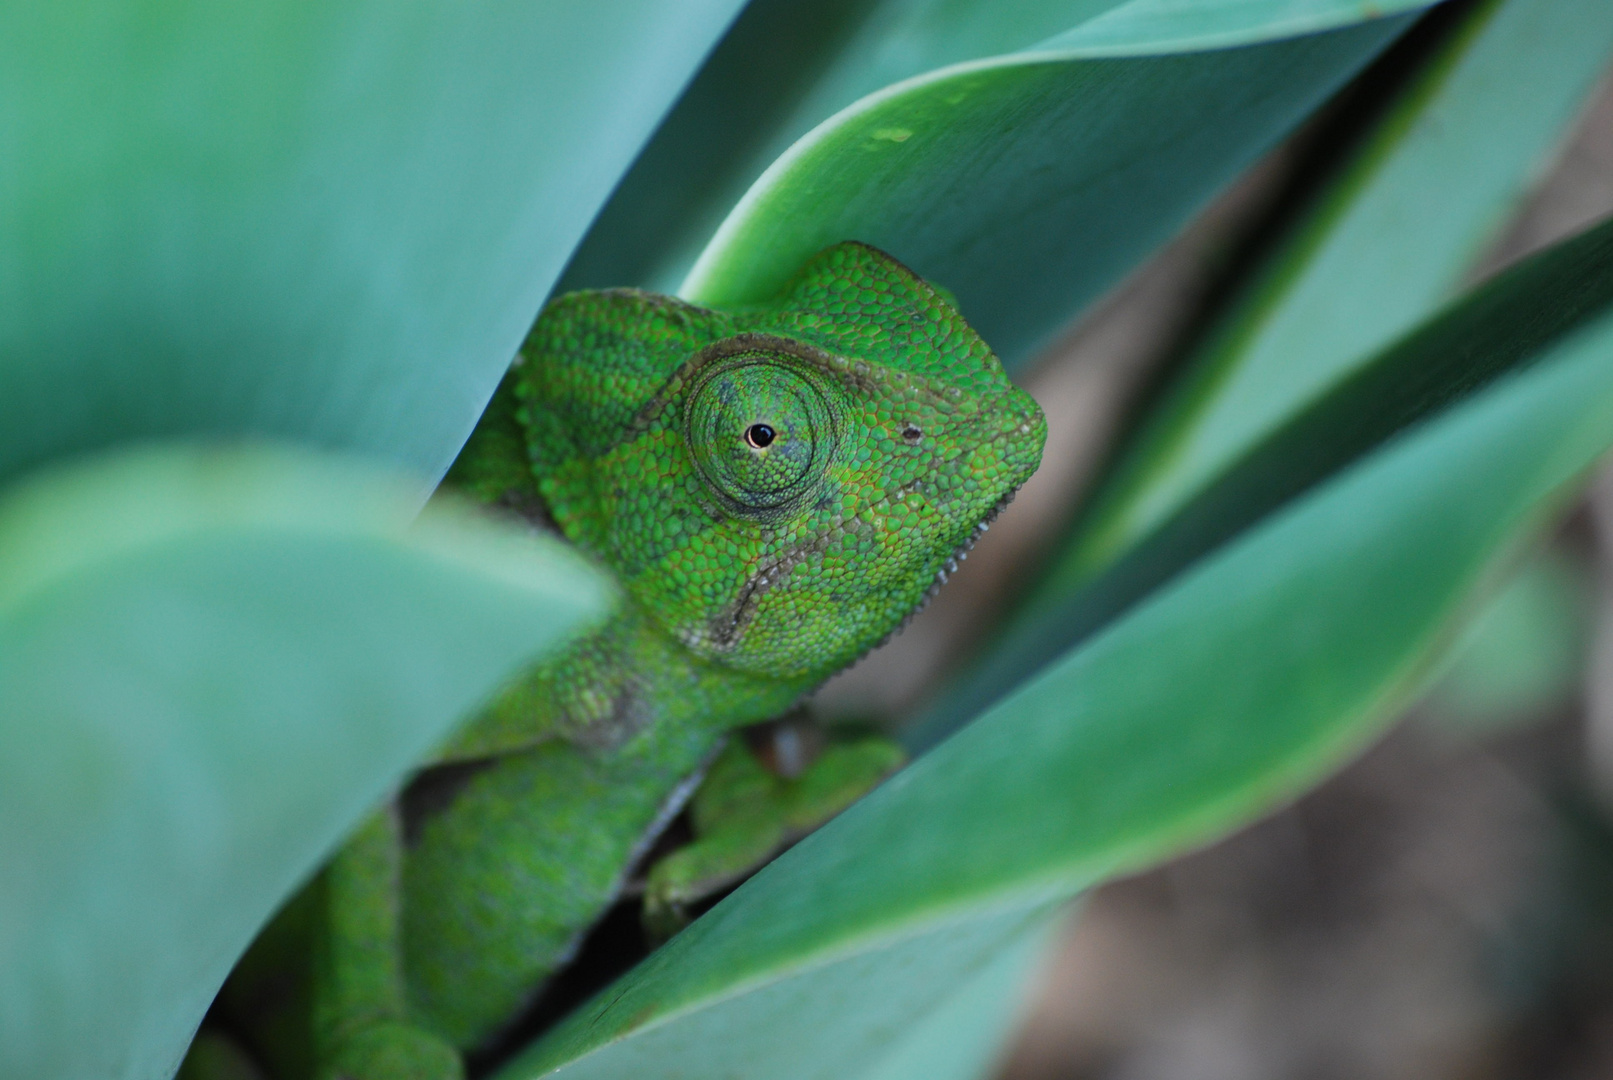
{"x":211,"y":663}
{"x":1157,"y":26}
{"x":783,"y":68}
{"x":877,"y":1004}
{"x":329,"y":222}
{"x":1026,"y":184}
{"x":961,"y":1037}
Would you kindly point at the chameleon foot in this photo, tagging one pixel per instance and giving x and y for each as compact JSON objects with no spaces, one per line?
{"x":393,"y":1051}
{"x":745,"y":812}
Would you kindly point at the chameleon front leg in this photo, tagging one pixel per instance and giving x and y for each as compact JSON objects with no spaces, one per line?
{"x":519,"y":858}
{"x":746,"y":810}
{"x":360,"y":1023}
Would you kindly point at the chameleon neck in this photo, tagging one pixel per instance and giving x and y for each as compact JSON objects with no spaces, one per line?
{"x":606,"y":688}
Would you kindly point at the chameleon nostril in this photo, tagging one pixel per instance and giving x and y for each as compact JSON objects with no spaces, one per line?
{"x":912,"y":434}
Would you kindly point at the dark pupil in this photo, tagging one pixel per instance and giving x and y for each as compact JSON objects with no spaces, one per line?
{"x":759,"y":435}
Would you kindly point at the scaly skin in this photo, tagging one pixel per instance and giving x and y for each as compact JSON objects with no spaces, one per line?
{"x":777,"y":489}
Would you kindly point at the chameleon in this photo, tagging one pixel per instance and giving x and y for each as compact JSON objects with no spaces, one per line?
{"x":776,"y":488}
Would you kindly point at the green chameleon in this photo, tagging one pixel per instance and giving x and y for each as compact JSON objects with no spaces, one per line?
{"x":777,"y":488}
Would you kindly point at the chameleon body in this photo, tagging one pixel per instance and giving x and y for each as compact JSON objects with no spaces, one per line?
{"x":776,"y":488}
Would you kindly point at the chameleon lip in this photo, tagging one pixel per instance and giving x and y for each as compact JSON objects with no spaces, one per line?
{"x":962,"y":551}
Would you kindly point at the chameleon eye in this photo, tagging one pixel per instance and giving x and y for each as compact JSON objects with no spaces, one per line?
{"x":798,"y":434}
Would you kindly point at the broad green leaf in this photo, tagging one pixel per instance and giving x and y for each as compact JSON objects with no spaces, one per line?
{"x":783,"y":68}
{"x":864,"y":1016}
{"x":325,"y":222}
{"x":1028,"y":183}
{"x":960,"y":1039}
{"x":1232,"y":688}
{"x":1391,"y":241}
{"x":1155,"y":26}
{"x":211,"y":663}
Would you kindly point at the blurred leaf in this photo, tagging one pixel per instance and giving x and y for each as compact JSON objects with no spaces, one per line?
{"x":1180,"y":25}
{"x":785,"y":67}
{"x":1028,"y":183}
{"x":1523,"y":653}
{"x":329,"y":222}
{"x":1234,"y":687}
{"x":1505,"y":326}
{"x":1388,"y":243}
{"x":864,"y":1015}
{"x":961,"y":1038}
{"x":211,"y":663}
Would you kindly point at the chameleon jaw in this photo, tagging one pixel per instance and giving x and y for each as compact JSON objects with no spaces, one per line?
{"x":948,"y":568}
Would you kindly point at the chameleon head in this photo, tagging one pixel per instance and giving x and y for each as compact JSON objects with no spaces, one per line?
{"x":862,"y":481}
{"x":819,"y":464}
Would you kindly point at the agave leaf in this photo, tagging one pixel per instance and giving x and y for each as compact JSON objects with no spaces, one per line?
{"x":211,"y":663}
{"x":324,"y":222}
{"x":1081,"y":143}
{"x":1028,"y":183}
{"x":783,"y":68}
{"x":1487,"y":109}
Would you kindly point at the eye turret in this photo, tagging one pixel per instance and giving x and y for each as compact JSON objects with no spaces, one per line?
{"x":761,"y":432}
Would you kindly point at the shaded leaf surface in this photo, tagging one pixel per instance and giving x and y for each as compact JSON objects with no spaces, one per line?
{"x":1027,"y":184}
{"x":326,"y":222}
{"x":783,"y":68}
{"x":211,"y":663}
{"x":859,"y":1015}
